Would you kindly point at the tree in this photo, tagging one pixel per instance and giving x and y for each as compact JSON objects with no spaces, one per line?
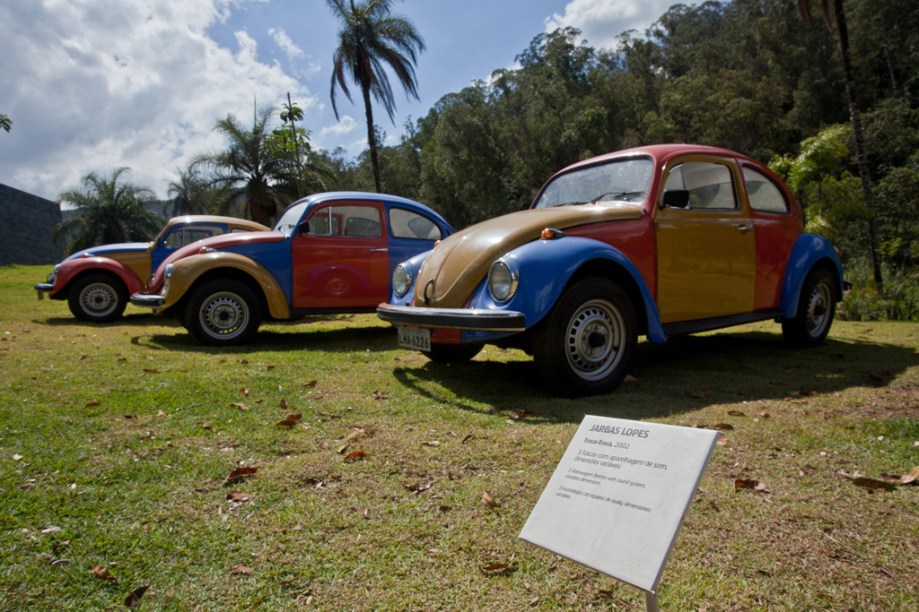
{"x":191,"y":193}
{"x":108,"y":210}
{"x":369,"y":40}
{"x":5,"y":123}
{"x":290,"y":113}
{"x":838,"y":16}
{"x":248,"y":169}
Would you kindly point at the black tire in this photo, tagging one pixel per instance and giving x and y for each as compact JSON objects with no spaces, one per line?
{"x":453,"y":353}
{"x":816,"y":309}
{"x":222,"y":313}
{"x":588,"y":341}
{"x":98,"y":298}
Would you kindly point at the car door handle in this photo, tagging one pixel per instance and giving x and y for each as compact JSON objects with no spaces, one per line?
{"x":380,"y":250}
{"x":745,"y":228}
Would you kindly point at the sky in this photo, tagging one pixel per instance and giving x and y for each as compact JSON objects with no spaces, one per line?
{"x":94,"y":85}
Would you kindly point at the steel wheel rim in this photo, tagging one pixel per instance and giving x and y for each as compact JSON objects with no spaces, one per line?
{"x":818,"y":310}
{"x":594,"y":340}
{"x":224,"y":315}
{"x":99,"y":299}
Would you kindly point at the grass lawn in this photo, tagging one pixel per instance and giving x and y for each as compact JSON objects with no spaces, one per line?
{"x":118,"y":444}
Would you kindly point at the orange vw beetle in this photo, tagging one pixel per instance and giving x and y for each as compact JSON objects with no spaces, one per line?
{"x":659,"y":241}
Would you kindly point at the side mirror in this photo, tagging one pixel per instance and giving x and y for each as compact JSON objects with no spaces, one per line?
{"x":304,"y":228}
{"x":676,"y":198}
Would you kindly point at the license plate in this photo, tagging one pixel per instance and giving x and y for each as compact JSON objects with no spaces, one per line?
{"x":415,"y":338}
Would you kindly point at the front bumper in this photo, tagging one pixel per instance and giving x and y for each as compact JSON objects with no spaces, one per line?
{"x":44,"y":287}
{"x":149,"y":300}
{"x":473,"y":319}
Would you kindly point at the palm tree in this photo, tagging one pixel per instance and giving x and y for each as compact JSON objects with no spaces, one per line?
{"x":108,"y":210}
{"x":838,"y":15}
{"x":190,"y":193}
{"x":247,"y":169}
{"x":291,"y":114}
{"x":6,"y":123}
{"x":369,"y":40}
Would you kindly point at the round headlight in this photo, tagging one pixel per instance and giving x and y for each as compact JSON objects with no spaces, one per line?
{"x":502,"y":281}
{"x":401,"y":280}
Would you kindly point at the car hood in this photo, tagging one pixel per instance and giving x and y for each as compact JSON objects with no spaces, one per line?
{"x":460,"y":262}
{"x":106,"y":250}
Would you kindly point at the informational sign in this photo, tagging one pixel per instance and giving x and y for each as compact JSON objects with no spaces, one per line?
{"x":617,"y":498}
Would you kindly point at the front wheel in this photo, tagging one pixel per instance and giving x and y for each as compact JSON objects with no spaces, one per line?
{"x":816,"y":309}
{"x":222,"y":313}
{"x":98,"y":298}
{"x":588,"y":342}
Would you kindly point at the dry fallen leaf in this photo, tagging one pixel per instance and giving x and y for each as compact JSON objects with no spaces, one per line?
{"x":745,"y":483}
{"x":291,"y":419}
{"x":489,"y":501}
{"x":356,"y":455}
{"x":911,"y":478}
{"x":310,"y":384}
{"x":873,"y":485}
{"x":133,"y":600}
{"x":239,"y":474}
{"x":736,"y":413}
{"x":241,"y":569}
{"x":723,"y":426}
{"x":419,"y":487}
{"x":103,"y":574}
{"x":151,"y":371}
{"x":493,"y":568}
{"x":244,"y":391}
{"x":519,"y":413}
{"x":379,"y":395}
{"x":234,"y":496}
{"x":283,"y":404}
{"x":241,"y":406}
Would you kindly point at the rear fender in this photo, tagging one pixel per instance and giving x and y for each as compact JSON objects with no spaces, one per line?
{"x":69,"y":270}
{"x":188,"y":271}
{"x":809,"y":251}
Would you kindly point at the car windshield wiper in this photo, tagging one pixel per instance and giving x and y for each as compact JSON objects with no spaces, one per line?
{"x":617,"y":195}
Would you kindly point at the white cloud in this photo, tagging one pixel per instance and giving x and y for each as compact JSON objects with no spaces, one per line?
{"x":98,"y":85}
{"x":287,"y":45}
{"x":345,"y":126}
{"x":602,"y":21}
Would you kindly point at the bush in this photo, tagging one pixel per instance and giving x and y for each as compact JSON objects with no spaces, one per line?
{"x":900,"y":300}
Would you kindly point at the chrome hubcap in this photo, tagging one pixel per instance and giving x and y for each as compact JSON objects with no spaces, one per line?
{"x":224,"y":315}
{"x":594,"y":340}
{"x":99,"y":299}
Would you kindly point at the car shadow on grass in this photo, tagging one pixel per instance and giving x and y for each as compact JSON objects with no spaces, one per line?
{"x":329,"y":333}
{"x":682,"y":375}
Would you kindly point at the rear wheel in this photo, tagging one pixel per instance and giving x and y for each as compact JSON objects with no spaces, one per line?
{"x":222,"y":313}
{"x":589,"y":339}
{"x":98,"y":298}
{"x":816,"y":309}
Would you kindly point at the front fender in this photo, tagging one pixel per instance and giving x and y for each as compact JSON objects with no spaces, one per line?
{"x":69,"y":270}
{"x":545,"y":267}
{"x":809,"y":251}
{"x":186,"y":272}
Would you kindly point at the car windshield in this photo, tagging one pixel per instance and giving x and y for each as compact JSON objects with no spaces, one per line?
{"x":623,"y":180}
{"x":289,"y":220}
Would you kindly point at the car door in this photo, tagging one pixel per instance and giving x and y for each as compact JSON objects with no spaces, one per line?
{"x":706,"y":250}
{"x":342,"y":260}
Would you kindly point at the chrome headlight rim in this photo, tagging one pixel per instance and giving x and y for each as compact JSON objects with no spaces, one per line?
{"x":167,"y":275}
{"x":502,"y":281}
{"x":401,"y":280}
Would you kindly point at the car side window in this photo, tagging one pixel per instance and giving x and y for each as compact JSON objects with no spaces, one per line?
{"x":709,"y":185}
{"x":409,"y":224}
{"x":764,"y":195}
{"x":186,"y":235}
{"x":347,"y":220}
